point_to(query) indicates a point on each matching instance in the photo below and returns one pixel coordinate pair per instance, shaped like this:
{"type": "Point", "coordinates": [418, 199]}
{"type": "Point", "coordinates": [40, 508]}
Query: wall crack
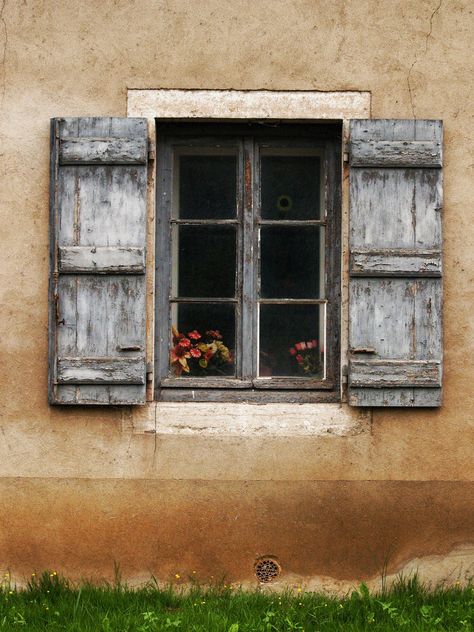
{"type": "Point", "coordinates": [417, 58]}
{"type": "Point", "coordinates": [4, 49]}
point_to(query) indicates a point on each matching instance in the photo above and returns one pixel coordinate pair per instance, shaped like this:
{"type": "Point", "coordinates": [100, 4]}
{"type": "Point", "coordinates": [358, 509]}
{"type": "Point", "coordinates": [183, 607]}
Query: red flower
{"type": "Point", "coordinates": [194, 334]}
{"type": "Point", "coordinates": [195, 353]}
{"type": "Point", "coordinates": [214, 333]}
{"type": "Point", "coordinates": [299, 358]}
{"type": "Point", "coordinates": [185, 343]}
{"type": "Point", "coordinates": [209, 354]}
{"type": "Point", "coordinates": [315, 343]}
{"type": "Point", "coordinates": [292, 351]}
{"type": "Point", "coordinates": [300, 345]}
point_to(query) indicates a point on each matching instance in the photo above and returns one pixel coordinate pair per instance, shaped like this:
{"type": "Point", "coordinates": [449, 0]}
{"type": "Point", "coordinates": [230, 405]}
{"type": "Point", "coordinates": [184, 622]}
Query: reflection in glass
{"type": "Point", "coordinates": [207, 186]}
{"type": "Point", "coordinates": [290, 262]}
{"type": "Point", "coordinates": [290, 187]}
{"type": "Point", "coordinates": [202, 340]}
{"type": "Point", "coordinates": [292, 341]}
{"type": "Point", "coordinates": [204, 261]}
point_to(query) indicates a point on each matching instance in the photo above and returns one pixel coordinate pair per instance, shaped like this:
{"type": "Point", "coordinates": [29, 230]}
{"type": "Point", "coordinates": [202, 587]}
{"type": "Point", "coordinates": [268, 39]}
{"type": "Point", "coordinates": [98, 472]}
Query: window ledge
{"type": "Point", "coordinates": [248, 104]}
{"type": "Point", "coordinates": [246, 419]}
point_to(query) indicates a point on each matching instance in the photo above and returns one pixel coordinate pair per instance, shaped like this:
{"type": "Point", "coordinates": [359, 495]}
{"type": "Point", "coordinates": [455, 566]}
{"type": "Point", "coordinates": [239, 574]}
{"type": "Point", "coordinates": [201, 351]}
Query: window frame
{"type": "Point", "coordinates": [250, 135]}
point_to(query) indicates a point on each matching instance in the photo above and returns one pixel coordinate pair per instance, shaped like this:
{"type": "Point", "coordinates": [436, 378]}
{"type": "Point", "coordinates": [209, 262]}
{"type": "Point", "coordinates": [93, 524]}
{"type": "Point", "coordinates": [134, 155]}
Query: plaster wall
{"type": "Point", "coordinates": [81, 489]}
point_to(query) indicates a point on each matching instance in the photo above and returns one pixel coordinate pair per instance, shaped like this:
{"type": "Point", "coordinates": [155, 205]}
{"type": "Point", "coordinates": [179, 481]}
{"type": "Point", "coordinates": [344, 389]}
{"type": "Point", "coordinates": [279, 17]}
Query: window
{"type": "Point", "coordinates": [248, 262]}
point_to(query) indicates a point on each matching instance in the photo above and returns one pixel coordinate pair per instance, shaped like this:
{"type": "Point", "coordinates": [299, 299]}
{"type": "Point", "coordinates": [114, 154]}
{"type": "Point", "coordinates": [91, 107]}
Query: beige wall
{"type": "Point", "coordinates": [81, 488]}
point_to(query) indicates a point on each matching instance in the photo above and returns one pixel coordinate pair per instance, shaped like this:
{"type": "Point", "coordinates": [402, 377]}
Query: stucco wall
{"type": "Point", "coordinates": [82, 489]}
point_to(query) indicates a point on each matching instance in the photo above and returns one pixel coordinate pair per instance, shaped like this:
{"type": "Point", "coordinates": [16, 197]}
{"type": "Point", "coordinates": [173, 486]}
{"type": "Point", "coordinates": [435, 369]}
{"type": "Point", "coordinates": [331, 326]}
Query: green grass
{"type": "Point", "coordinates": [51, 603]}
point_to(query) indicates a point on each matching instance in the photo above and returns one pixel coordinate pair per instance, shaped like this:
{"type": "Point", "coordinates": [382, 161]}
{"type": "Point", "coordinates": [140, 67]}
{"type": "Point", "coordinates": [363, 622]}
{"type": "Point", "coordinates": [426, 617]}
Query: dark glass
{"type": "Point", "coordinates": [281, 328]}
{"type": "Point", "coordinates": [215, 323]}
{"type": "Point", "coordinates": [207, 187]}
{"type": "Point", "coordinates": [290, 262]}
{"type": "Point", "coordinates": [290, 187]}
{"type": "Point", "coordinates": [206, 260]}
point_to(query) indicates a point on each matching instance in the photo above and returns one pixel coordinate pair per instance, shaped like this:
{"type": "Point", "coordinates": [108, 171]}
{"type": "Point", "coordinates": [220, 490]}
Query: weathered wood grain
{"type": "Point", "coordinates": [394, 373]}
{"type": "Point", "coordinates": [101, 260]}
{"type": "Point", "coordinates": [373, 153]}
{"type": "Point", "coordinates": [111, 151]}
{"type": "Point", "coordinates": [396, 397]}
{"type": "Point", "coordinates": [395, 286]}
{"type": "Point", "coordinates": [100, 370]}
{"type": "Point", "coordinates": [395, 262]}
{"type": "Point", "coordinates": [98, 288]}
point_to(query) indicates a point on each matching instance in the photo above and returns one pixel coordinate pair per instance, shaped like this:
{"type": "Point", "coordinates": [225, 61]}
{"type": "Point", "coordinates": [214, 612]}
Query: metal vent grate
{"type": "Point", "coordinates": [267, 570]}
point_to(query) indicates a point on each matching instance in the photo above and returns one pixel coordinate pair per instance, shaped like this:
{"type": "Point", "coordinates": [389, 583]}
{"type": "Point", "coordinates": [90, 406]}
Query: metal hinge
{"type": "Point", "coordinates": [345, 156]}
{"type": "Point", "coordinates": [149, 371]}
{"type": "Point", "coordinates": [151, 152]}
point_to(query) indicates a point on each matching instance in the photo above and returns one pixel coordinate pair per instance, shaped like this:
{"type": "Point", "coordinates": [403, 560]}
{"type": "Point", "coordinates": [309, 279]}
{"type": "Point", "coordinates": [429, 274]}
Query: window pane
{"type": "Point", "coordinates": [203, 340]}
{"type": "Point", "coordinates": [290, 186]}
{"type": "Point", "coordinates": [206, 186]}
{"type": "Point", "coordinates": [292, 341]}
{"type": "Point", "coordinates": [204, 261]}
{"type": "Point", "coordinates": [292, 262]}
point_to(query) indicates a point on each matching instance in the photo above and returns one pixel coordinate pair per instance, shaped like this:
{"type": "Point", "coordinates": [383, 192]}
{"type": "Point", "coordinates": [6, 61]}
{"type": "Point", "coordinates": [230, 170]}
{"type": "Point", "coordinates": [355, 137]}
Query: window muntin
{"type": "Point", "coordinates": [256, 263]}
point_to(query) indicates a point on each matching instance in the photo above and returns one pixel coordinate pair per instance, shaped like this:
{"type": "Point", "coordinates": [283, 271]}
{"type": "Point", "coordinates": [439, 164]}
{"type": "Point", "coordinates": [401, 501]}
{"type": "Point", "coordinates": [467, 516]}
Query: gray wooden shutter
{"type": "Point", "coordinates": [395, 287]}
{"type": "Point", "coordinates": [97, 287]}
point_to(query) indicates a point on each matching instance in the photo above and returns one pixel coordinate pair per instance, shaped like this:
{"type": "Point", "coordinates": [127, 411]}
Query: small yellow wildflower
{"type": "Point", "coordinates": [178, 576]}
{"type": "Point", "coordinates": [194, 572]}
{"type": "Point", "coordinates": [11, 592]}
{"type": "Point", "coordinates": [33, 574]}
{"type": "Point", "coordinates": [299, 589]}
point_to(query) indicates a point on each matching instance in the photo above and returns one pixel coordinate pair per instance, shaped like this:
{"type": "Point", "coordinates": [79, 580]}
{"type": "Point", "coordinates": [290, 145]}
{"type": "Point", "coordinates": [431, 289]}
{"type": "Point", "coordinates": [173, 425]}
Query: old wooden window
{"type": "Point", "coordinates": [248, 279]}
{"type": "Point", "coordinates": [247, 262]}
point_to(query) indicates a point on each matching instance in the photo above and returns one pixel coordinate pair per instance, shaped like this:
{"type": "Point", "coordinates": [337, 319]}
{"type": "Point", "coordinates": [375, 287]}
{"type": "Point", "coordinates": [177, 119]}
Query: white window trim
{"type": "Point", "coordinates": [239, 418]}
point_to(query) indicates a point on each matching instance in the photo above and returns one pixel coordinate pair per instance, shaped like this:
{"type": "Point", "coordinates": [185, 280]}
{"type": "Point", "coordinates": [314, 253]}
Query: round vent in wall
{"type": "Point", "coordinates": [267, 569]}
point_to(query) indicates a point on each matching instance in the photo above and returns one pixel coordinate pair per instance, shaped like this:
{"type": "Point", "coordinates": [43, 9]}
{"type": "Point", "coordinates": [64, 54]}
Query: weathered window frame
{"type": "Point", "coordinates": [251, 135]}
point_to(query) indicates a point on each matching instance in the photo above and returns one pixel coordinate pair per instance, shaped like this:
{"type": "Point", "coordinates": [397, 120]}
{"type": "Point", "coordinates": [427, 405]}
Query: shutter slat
{"type": "Point", "coordinates": [395, 373]}
{"type": "Point", "coordinates": [395, 286]}
{"type": "Point", "coordinates": [110, 151]}
{"type": "Point", "coordinates": [98, 233]}
{"type": "Point", "coordinates": [101, 260]}
{"type": "Point", "coordinates": [392, 262]}
{"type": "Point", "coordinates": [425, 154]}
{"type": "Point", "coordinates": [101, 370]}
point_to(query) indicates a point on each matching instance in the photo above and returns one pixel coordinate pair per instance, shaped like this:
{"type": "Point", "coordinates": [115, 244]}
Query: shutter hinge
{"type": "Point", "coordinates": [345, 156]}
{"type": "Point", "coordinates": [56, 310]}
{"type": "Point", "coordinates": [151, 152]}
{"type": "Point", "coordinates": [149, 371]}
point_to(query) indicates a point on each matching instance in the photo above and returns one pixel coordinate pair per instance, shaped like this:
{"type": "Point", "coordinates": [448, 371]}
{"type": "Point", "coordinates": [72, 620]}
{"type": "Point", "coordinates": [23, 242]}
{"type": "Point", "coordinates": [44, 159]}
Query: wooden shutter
{"type": "Point", "coordinates": [395, 287]}
{"type": "Point", "coordinates": [97, 288]}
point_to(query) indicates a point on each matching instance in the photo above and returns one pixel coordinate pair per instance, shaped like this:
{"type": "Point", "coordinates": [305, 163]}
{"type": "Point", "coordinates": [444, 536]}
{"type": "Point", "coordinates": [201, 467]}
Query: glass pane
{"type": "Point", "coordinates": [291, 186]}
{"type": "Point", "coordinates": [202, 340]}
{"type": "Point", "coordinates": [292, 262]}
{"type": "Point", "coordinates": [204, 261]}
{"type": "Point", "coordinates": [292, 341]}
{"type": "Point", "coordinates": [206, 184]}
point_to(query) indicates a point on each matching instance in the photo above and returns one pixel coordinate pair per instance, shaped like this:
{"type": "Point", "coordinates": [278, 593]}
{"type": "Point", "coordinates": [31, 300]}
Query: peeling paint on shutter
{"type": "Point", "coordinates": [395, 287]}
{"type": "Point", "coordinates": [97, 287]}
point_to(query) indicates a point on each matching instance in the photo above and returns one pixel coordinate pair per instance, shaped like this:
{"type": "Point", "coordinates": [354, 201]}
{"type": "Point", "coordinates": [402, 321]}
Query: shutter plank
{"type": "Point", "coordinates": [395, 373]}
{"type": "Point", "coordinates": [392, 262]}
{"type": "Point", "coordinates": [100, 370]}
{"type": "Point", "coordinates": [372, 153]}
{"type": "Point", "coordinates": [118, 151]}
{"type": "Point", "coordinates": [98, 291]}
{"type": "Point", "coordinates": [101, 259]}
{"type": "Point", "coordinates": [395, 286]}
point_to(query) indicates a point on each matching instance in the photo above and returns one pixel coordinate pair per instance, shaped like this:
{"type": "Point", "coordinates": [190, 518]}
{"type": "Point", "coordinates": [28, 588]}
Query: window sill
{"type": "Point", "coordinates": [246, 419]}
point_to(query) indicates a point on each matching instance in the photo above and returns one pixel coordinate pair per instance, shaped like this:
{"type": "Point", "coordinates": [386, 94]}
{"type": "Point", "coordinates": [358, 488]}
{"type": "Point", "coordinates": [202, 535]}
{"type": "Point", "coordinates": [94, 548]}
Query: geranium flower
{"type": "Point", "coordinates": [299, 358]}
{"type": "Point", "coordinates": [185, 343]}
{"type": "Point", "coordinates": [194, 335]}
{"type": "Point", "coordinates": [214, 333]}
{"type": "Point", "coordinates": [292, 350]}
{"type": "Point", "coordinates": [195, 352]}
